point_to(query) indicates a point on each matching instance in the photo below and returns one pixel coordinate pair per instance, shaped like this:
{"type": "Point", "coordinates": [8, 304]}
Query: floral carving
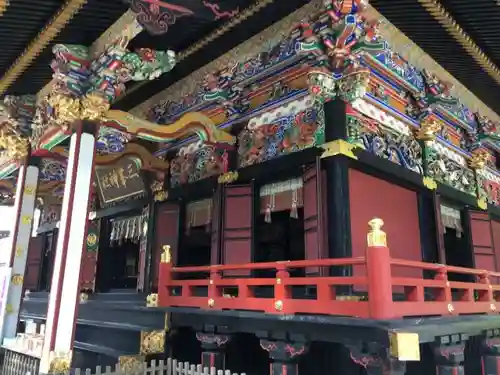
{"type": "Point", "coordinates": [286, 135]}
{"type": "Point", "coordinates": [196, 162]}
{"type": "Point", "coordinates": [402, 149]}
{"type": "Point", "coordinates": [447, 171]}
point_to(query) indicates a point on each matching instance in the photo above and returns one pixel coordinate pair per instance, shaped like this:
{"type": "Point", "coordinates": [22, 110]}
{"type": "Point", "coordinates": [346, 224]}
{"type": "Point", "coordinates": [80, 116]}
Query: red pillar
{"type": "Point", "coordinates": [378, 269]}
{"type": "Point", "coordinates": [65, 287]}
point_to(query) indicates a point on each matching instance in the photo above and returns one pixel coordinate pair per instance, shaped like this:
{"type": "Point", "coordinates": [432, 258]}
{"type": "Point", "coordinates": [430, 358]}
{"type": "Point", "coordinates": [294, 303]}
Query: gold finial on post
{"type": "Point", "coordinates": [376, 236]}
{"type": "Point", "coordinates": [166, 256]}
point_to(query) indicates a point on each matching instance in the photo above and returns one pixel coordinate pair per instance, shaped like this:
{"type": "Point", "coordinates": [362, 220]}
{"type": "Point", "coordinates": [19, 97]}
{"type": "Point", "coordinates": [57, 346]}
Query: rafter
{"type": "Point", "coordinates": [41, 41]}
{"type": "Point", "coordinates": [437, 10]}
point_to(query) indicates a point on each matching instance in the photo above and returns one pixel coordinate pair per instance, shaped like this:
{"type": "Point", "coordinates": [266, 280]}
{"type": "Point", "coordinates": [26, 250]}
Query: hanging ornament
{"type": "Point", "coordinates": [293, 211]}
{"type": "Point", "coordinates": [270, 208]}
{"type": "Point", "coordinates": [112, 237]}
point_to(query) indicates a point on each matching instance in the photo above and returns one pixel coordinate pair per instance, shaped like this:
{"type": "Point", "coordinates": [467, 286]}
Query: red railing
{"type": "Point", "coordinates": [375, 291]}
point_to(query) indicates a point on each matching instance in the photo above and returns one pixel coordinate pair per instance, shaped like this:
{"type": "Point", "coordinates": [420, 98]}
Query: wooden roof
{"type": "Point", "coordinates": [461, 35]}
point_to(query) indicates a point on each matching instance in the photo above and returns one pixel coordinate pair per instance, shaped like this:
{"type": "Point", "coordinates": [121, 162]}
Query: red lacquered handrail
{"type": "Point", "coordinates": [378, 288]}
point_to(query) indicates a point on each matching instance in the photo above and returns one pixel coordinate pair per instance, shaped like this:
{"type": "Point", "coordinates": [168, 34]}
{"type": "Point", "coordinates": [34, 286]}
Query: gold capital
{"type": "Point", "coordinates": [376, 236]}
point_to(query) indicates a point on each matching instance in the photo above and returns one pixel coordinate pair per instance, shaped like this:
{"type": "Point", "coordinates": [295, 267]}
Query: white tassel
{"type": "Point", "coordinates": [294, 214]}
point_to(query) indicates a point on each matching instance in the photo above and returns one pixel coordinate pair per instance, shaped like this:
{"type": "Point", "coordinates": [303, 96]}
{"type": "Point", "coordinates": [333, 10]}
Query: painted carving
{"type": "Point", "coordinates": [191, 123]}
{"type": "Point", "coordinates": [111, 141]}
{"type": "Point", "coordinates": [389, 143]}
{"type": "Point", "coordinates": [449, 171]}
{"type": "Point", "coordinates": [196, 162]}
{"type": "Point", "coordinates": [52, 170]}
{"type": "Point", "coordinates": [157, 16]}
{"type": "Point", "coordinates": [275, 135]}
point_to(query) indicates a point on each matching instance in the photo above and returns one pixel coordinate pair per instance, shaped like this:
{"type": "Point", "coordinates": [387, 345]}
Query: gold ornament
{"type": "Point", "coordinates": [429, 183]}
{"type": "Point", "coordinates": [67, 109]}
{"type": "Point", "coordinates": [228, 177]}
{"type": "Point", "coordinates": [166, 256]}
{"type": "Point", "coordinates": [376, 236]}
{"type": "Point", "coordinates": [17, 279]}
{"type": "Point", "coordinates": [60, 362]}
{"type": "Point", "coordinates": [94, 106]}
{"type": "Point", "coordinates": [152, 342]}
{"type": "Point", "coordinates": [428, 130]}
{"type": "Point", "coordinates": [131, 364]}
{"type": "Point", "coordinates": [478, 159]}
{"type": "Point", "coordinates": [152, 300]}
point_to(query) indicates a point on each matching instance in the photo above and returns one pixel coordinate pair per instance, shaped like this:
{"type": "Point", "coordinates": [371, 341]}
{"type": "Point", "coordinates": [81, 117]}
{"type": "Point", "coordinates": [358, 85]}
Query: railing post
{"type": "Point", "coordinates": [213, 291]}
{"type": "Point", "coordinates": [164, 276]}
{"type": "Point", "coordinates": [378, 268]}
{"type": "Point", "coordinates": [280, 289]}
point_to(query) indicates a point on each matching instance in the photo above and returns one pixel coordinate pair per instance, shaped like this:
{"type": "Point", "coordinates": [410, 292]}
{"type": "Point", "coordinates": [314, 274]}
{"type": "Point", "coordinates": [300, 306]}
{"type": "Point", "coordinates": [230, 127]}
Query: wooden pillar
{"type": "Point", "coordinates": [65, 287]}
{"type": "Point", "coordinates": [213, 349]}
{"type": "Point", "coordinates": [283, 356]}
{"type": "Point", "coordinates": [25, 201]}
{"type": "Point", "coordinates": [337, 187]}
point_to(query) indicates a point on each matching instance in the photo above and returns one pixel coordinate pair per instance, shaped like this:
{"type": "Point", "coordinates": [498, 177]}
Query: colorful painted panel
{"type": "Point", "coordinates": [196, 162]}
{"type": "Point", "coordinates": [111, 140]}
{"type": "Point", "coordinates": [383, 135]}
{"type": "Point", "coordinates": [52, 170]}
{"type": "Point", "coordinates": [450, 168]}
{"type": "Point", "coordinates": [282, 131]}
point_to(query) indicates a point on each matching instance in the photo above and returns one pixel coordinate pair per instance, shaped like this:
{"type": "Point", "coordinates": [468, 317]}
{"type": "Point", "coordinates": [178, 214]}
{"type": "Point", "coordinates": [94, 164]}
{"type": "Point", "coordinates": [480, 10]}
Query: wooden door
{"type": "Point", "coordinates": [313, 216]}
{"type": "Point", "coordinates": [237, 227]}
{"type": "Point", "coordinates": [216, 226]}
{"type": "Point", "coordinates": [166, 233]}
{"type": "Point", "coordinates": [34, 263]}
{"type": "Point", "coordinates": [89, 259]}
{"type": "Point", "coordinates": [483, 250]}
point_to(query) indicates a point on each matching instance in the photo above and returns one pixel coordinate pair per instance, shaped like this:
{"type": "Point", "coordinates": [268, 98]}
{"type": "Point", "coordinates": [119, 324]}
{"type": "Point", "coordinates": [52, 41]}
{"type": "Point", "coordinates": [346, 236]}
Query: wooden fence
{"type": "Point", "coordinates": [168, 367]}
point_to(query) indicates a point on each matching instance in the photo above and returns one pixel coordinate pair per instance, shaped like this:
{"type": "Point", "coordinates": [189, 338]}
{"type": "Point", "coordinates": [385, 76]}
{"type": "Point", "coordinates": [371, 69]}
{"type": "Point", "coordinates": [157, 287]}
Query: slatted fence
{"type": "Point", "coordinates": [168, 367]}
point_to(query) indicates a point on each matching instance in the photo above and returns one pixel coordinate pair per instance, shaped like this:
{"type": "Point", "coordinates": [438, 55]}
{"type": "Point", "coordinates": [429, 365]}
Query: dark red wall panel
{"type": "Point", "coordinates": [372, 197]}
{"type": "Point", "coordinates": [482, 241]}
{"type": "Point", "coordinates": [237, 227]}
{"type": "Point", "coordinates": [166, 233]}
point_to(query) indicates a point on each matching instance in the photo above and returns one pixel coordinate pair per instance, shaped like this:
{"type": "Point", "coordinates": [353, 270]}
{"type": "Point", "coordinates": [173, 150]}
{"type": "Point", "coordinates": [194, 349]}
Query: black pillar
{"type": "Point", "coordinates": [491, 356]}
{"type": "Point", "coordinates": [337, 187]}
{"type": "Point", "coordinates": [375, 359]}
{"type": "Point", "coordinates": [450, 359]}
{"type": "Point", "coordinates": [150, 238]}
{"type": "Point", "coordinates": [213, 349]}
{"type": "Point", "coordinates": [283, 356]}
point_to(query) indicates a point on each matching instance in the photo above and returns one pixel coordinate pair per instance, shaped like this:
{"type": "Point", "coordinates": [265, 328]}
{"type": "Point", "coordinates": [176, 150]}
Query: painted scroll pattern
{"type": "Point", "coordinates": [196, 162]}
{"type": "Point", "coordinates": [282, 136]}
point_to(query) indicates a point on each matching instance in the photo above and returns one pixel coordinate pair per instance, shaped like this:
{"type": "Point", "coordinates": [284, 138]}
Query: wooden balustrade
{"type": "Point", "coordinates": [376, 293]}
